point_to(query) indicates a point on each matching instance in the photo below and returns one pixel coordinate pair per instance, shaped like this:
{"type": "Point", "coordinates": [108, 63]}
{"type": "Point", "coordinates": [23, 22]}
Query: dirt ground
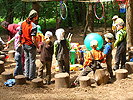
{"type": "Point", "coordinates": [114, 90]}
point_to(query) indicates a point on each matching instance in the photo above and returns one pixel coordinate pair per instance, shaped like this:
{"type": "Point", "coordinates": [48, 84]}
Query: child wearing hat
{"type": "Point", "coordinates": [46, 51]}
{"type": "Point", "coordinates": [62, 47]}
{"type": "Point", "coordinates": [88, 65]}
{"type": "Point", "coordinates": [108, 52]}
{"type": "Point", "coordinates": [121, 41]}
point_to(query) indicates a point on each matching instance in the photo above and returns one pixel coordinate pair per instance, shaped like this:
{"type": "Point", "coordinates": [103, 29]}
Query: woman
{"type": "Point", "coordinates": [12, 28]}
{"type": "Point", "coordinates": [29, 30]}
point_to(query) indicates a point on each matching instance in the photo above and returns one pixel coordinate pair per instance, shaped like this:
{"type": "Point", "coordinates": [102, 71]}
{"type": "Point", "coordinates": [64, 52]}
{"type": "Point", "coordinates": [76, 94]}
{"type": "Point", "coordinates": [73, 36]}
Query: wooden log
{"type": "Point", "coordinates": [2, 68]}
{"type": "Point", "coordinates": [129, 67]}
{"type": "Point", "coordinates": [37, 82]}
{"type": "Point", "coordinates": [121, 74]}
{"type": "Point", "coordinates": [6, 75]}
{"type": "Point", "coordinates": [20, 79]}
{"type": "Point", "coordinates": [101, 76]}
{"type": "Point", "coordinates": [2, 57]}
{"type": "Point", "coordinates": [62, 80]}
{"type": "Point", "coordinates": [84, 81]}
{"type": "Point", "coordinates": [11, 54]}
{"type": "Point", "coordinates": [130, 55]}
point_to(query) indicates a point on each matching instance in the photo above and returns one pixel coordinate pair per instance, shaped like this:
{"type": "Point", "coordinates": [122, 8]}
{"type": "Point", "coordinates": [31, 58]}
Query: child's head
{"type": "Point", "coordinates": [109, 37]}
{"type": "Point", "coordinates": [94, 44]}
{"type": "Point", "coordinates": [120, 25]}
{"type": "Point", "coordinates": [5, 24]}
{"type": "Point", "coordinates": [48, 36]}
{"type": "Point", "coordinates": [60, 33]}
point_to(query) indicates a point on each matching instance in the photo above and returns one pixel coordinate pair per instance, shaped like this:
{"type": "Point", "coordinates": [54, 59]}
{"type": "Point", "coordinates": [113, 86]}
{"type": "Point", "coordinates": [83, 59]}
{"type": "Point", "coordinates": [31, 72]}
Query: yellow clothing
{"type": "Point", "coordinates": [40, 37]}
{"type": "Point", "coordinates": [97, 54]}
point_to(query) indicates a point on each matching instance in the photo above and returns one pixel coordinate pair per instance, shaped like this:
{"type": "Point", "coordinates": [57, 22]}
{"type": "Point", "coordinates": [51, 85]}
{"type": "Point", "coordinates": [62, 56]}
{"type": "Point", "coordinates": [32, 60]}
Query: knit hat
{"type": "Point", "coordinates": [60, 34]}
{"type": "Point", "coordinates": [120, 23]}
{"type": "Point", "coordinates": [109, 36]}
{"type": "Point", "coordinates": [48, 34]}
{"type": "Point", "coordinates": [115, 17]}
{"type": "Point", "coordinates": [32, 14]}
{"type": "Point", "coordinates": [94, 43]}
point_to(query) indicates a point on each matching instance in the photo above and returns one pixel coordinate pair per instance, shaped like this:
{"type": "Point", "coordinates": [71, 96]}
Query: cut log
{"type": "Point", "coordinates": [129, 67]}
{"type": "Point", "coordinates": [2, 68]}
{"type": "Point", "coordinates": [84, 81]}
{"type": "Point", "coordinates": [2, 57]}
{"type": "Point", "coordinates": [20, 79]}
{"type": "Point", "coordinates": [37, 82]}
{"type": "Point", "coordinates": [7, 75]}
{"type": "Point", "coordinates": [121, 74]}
{"type": "Point", "coordinates": [11, 54]}
{"type": "Point", "coordinates": [62, 80]}
{"type": "Point", "coordinates": [101, 76]}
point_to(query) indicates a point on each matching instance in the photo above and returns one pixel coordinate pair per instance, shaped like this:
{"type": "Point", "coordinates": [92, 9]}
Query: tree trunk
{"type": "Point", "coordinates": [75, 12]}
{"type": "Point", "coordinates": [105, 27]}
{"type": "Point", "coordinates": [129, 24]}
{"type": "Point", "coordinates": [9, 17]}
{"type": "Point", "coordinates": [91, 18]}
{"type": "Point", "coordinates": [69, 17]}
{"type": "Point", "coordinates": [35, 6]}
{"type": "Point", "coordinates": [87, 22]}
{"type": "Point", "coordinates": [84, 13]}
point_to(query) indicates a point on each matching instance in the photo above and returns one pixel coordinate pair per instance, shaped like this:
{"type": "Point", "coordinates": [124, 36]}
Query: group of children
{"type": "Point", "coordinates": [62, 46]}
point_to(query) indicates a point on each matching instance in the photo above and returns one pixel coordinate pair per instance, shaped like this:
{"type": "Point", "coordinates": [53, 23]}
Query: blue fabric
{"type": "Point", "coordinates": [30, 58]}
{"type": "Point", "coordinates": [131, 60]}
{"type": "Point", "coordinates": [107, 48]}
{"type": "Point", "coordinates": [10, 82]}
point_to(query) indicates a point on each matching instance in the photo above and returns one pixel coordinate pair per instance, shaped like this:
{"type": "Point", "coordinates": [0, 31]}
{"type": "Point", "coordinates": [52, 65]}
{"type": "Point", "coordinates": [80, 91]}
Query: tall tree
{"type": "Point", "coordinates": [129, 24]}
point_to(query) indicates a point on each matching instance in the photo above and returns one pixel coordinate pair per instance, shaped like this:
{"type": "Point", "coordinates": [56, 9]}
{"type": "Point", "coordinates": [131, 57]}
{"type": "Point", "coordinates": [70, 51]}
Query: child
{"type": "Point", "coordinates": [121, 41]}
{"type": "Point", "coordinates": [46, 49]}
{"type": "Point", "coordinates": [18, 55]}
{"type": "Point", "coordinates": [108, 52]}
{"type": "Point", "coordinates": [61, 50]}
{"type": "Point", "coordinates": [11, 27]}
{"type": "Point", "coordinates": [88, 67]}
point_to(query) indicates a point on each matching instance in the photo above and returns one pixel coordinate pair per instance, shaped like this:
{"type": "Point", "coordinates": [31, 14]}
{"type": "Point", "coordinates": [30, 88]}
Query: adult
{"type": "Point", "coordinates": [28, 29]}
{"type": "Point", "coordinates": [12, 28]}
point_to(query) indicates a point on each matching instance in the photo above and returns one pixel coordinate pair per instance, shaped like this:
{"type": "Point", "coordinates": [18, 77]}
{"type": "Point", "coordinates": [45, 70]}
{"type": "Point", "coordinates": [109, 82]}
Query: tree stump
{"type": "Point", "coordinates": [6, 75]}
{"type": "Point", "coordinates": [62, 80]}
{"type": "Point", "coordinates": [130, 55]}
{"type": "Point", "coordinates": [84, 81]}
{"type": "Point", "coordinates": [101, 76]}
{"type": "Point", "coordinates": [37, 82]}
{"type": "Point", "coordinates": [129, 67]}
{"type": "Point", "coordinates": [121, 74]}
{"type": "Point", "coordinates": [2, 57]}
{"type": "Point", "coordinates": [11, 54]}
{"type": "Point", "coordinates": [2, 68]}
{"type": "Point", "coordinates": [20, 79]}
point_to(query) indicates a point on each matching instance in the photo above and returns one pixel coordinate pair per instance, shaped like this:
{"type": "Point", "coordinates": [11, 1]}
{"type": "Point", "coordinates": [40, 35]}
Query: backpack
{"type": "Point", "coordinates": [95, 64]}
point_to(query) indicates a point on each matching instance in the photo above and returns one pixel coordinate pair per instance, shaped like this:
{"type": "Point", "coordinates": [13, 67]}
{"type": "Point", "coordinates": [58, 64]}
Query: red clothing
{"type": "Point", "coordinates": [27, 33]}
{"type": "Point", "coordinates": [97, 54]}
{"type": "Point", "coordinates": [12, 29]}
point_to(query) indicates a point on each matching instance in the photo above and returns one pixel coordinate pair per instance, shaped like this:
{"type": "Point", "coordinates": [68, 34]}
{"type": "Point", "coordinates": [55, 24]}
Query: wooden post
{"type": "Point", "coordinates": [84, 81]}
{"type": "Point", "coordinates": [129, 67]}
{"type": "Point", "coordinates": [2, 57]}
{"type": "Point", "coordinates": [37, 82]}
{"type": "Point", "coordinates": [62, 80]}
{"type": "Point", "coordinates": [11, 54]}
{"type": "Point", "coordinates": [2, 68]}
{"type": "Point", "coordinates": [121, 74]}
{"type": "Point", "coordinates": [20, 79]}
{"type": "Point", "coordinates": [101, 76]}
{"type": "Point", "coordinates": [6, 75]}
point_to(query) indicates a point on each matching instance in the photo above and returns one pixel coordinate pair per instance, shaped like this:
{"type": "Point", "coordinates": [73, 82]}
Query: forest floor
{"type": "Point", "coordinates": [114, 90]}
